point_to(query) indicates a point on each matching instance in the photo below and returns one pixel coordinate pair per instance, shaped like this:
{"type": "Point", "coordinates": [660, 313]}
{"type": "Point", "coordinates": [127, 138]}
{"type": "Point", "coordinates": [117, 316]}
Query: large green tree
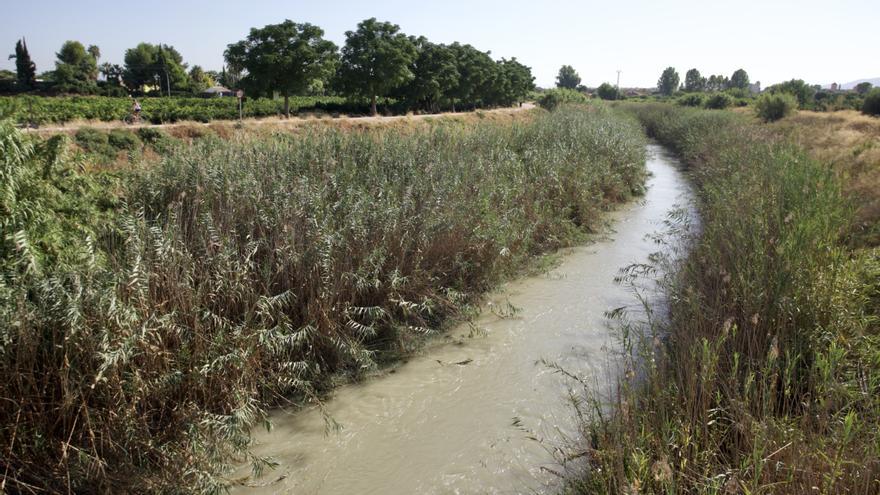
{"type": "Point", "coordinates": [148, 65]}
{"type": "Point", "coordinates": [76, 68]}
{"type": "Point", "coordinates": [286, 58]}
{"type": "Point", "coordinates": [376, 59]}
{"type": "Point", "coordinates": [25, 69]}
{"type": "Point", "coordinates": [199, 80]}
{"type": "Point", "coordinates": [739, 79]}
{"type": "Point", "coordinates": [475, 69]}
{"type": "Point", "coordinates": [435, 74]}
{"type": "Point", "coordinates": [567, 77]}
{"type": "Point", "coordinates": [863, 87]}
{"type": "Point", "coordinates": [693, 81]}
{"type": "Point", "coordinates": [668, 82]}
{"type": "Point", "coordinates": [518, 81]}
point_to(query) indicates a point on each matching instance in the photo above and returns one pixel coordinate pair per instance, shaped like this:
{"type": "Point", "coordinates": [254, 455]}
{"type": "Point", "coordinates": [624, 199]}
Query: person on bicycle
{"type": "Point", "coordinates": [136, 109]}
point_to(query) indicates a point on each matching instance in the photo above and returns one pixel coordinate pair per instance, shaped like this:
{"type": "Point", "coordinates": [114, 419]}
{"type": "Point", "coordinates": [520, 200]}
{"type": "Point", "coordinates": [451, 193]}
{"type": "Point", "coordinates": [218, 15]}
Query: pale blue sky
{"type": "Point", "coordinates": [819, 41]}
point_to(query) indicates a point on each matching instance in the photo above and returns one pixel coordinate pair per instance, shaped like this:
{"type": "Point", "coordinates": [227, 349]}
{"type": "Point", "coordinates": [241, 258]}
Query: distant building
{"type": "Point", "coordinates": [755, 88]}
{"type": "Point", "coordinates": [217, 92]}
{"type": "Point", "coordinates": [835, 86]}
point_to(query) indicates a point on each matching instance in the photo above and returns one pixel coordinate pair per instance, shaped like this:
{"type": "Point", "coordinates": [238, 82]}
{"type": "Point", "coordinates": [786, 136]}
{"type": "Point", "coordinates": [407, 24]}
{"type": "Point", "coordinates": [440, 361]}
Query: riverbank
{"type": "Point", "coordinates": [764, 378]}
{"type": "Point", "coordinates": [158, 310]}
{"type": "Point", "coordinates": [484, 409]}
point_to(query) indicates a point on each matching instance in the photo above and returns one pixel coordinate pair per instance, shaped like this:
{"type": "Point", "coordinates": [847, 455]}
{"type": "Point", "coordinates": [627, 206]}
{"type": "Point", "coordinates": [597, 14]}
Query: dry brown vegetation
{"type": "Point", "coordinates": [849, 142]}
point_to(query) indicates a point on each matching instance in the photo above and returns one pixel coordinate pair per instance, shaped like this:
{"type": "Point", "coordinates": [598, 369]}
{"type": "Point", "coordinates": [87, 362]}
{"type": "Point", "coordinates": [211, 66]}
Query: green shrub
{"type": "Point", "coordinates": [692, 100]}
{"type": "Point", "coordinates": [772, 107]}
{"type": "Point", "coordinates": [123, 139]}
{"type": "Point", "coordinates": [551, 99]}
{"type": "Point", "coordinates": [719, 101]}
{"type": "Point", "coordinates": [871, 106]}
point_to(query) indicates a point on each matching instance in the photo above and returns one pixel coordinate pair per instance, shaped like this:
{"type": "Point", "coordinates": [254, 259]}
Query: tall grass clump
{"type": "Point", "coordinates": [765, 375]}
{"type": "Point", "coordinates": [152, 316]}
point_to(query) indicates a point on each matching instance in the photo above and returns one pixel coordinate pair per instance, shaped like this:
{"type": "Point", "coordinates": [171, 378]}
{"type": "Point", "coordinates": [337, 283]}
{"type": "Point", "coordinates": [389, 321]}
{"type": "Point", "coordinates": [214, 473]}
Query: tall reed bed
{"type": "Point", "coordinates": [151, 316]}
{"type": "Point", "coordinates": [765, 377]}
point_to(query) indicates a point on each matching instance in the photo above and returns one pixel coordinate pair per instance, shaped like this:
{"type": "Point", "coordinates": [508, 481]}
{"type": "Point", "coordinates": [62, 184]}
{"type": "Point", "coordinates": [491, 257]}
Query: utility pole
{"type": "Point", "coordinates": [617, 96]}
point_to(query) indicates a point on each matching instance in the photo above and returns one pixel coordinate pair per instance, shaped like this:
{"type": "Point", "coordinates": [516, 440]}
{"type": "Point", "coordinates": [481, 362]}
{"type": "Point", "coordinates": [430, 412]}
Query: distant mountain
{"type": "Point", "coordinates": [852, 84]}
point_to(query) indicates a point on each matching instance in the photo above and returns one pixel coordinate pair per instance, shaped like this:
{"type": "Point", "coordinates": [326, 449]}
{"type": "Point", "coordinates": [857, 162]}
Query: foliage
{"type": "Point", "coordinates": [376, 59]}
{"type": "Point", "coordinates": [739, 79]}
{"type": "Point", "coordinates": [692, 100]}
{"type": "Point", "coordinates": [199, 80]}
{"type": "Point", "coordinates": [607, 92]}
{"type": "Point", "coordinates": [76, 68]}
{"type": "Point", "coordinates": [25, 70]}
{"type": "Point", "coordinates": [152, 316]}
{"type": "Point", "coordinates": [775, 106]}
{"type": "Point", "coordinates": [286, 58]}
{"type": "Point", "coordinates": [41, 110]}
{"type": "Point", "coordinates": [718, 101]}
{"type": "Point", "coordinates": [863, 88]}
{"type": "Point", "coordinates": [871, 106]}
{"type": "Point", "coordinates": [668, 82]}
{"type": "Point", "coordinates": [435, 75]}
{"type": "Point", "coordinates": [553, 98]}
{"type": "Point", "coordinates": [762, 376]}
{"type": "Point", "coordinates": [804, 93]}
{"type": "Point", "coordinates": [567, 78]}
{"type": "Point", "coordinates": [155, 66]}
{"type": "Point", "coordinates": [693, 81]}
{"type": "Point", "coordinates": [717, 82]}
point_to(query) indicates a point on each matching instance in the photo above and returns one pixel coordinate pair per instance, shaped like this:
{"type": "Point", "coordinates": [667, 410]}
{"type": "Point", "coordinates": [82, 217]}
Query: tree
{"type": "Point", "coordinates": [717, 83]}
{"type": "Point", "coordinates": [693, 81]}
{"type": "Point", "coordinates": [284, 57]}
{"type": "Point", "coordinates": [112, 73]}
{"type": "Point", "coordinates": [155, 65]}
{"type": "Point", "coordinates": [435, 74]}
{"type": "Point", "coordinates": [739, 79]}
{"type": "Point", "coordinates": [25, 70]}
{"type": "Point", "coordinates": [475, 69]}
{"type": "Point", "coordinates": [668, 82]}
{"type": "Point", "coordinates": [76, 68]}
{"type": "Point", "coordinates": [607, 92]}
{"type": "Point", "coordinates": [376, 59]}
{"type": "Point", "coordinates": [863, 87]}
{"type": "Point", "coordinates": [567, 78]}
{"type": "Point", "coordinates": [519, 81]}
{"type": "Point", "coordinates": [199, 80]}
{"type": "Point", "coordinates": [804, 93]}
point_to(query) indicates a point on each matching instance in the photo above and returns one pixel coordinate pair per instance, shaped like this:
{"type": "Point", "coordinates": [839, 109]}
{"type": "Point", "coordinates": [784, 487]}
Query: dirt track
{"type": "Point", "coordinates": [293, 121]}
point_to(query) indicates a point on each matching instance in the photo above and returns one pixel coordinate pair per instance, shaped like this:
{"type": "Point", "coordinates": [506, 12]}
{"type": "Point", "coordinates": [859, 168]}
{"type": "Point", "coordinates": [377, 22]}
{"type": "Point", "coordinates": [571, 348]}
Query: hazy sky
{"type": "Point", "coordinates": [819, 41]}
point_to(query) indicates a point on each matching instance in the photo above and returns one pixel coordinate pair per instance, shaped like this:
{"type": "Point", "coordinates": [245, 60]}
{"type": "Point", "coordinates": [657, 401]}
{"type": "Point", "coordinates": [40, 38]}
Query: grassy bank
{"type": "Point", "coordinates": [152, 313]}
{"type": "Point", "coordinates": [765, 378]}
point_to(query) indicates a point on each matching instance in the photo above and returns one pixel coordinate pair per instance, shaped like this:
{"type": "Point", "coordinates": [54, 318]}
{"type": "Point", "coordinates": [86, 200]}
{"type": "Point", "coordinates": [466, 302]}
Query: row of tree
{"type": "Point", "coordinates": [77, 69]}
{"type": "Point", "coordinates": [694, 82]}
{"type": "Point", "coordinates": [288, 59]}
{"type": "Point", "coordinates": [376, 61]}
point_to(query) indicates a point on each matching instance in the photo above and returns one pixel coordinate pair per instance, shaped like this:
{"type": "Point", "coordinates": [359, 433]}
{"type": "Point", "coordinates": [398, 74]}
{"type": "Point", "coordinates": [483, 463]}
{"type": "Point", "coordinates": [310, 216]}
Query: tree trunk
{"type": "Point", "coordinates": [287, 105]}
{"type": "Point", "coordinates": [373, 106]}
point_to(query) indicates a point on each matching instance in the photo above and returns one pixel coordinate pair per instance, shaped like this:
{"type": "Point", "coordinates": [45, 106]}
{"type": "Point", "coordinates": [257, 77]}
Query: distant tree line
{"type": "Point", "coordinates": [694, 82]}
{"type": "Point", "coordinates": [377, 62]}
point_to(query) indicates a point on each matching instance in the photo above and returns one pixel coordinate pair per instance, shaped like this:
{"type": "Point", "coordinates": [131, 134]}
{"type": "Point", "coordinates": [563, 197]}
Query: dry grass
{"type": "Point", "coordinates": [849, 142]}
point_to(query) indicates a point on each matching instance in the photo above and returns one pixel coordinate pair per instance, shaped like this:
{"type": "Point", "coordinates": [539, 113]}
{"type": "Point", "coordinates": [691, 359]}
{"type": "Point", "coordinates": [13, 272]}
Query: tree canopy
{"type": "Point", "coordinates": [76, 68]}
{"type": "Point", "coordinates": [155, 65]}
{"type": "Point", "coordinates": [376, 59]}
{"type": "Point", "coordinates": [668, 82]}
{"type": "Point", "coordinates": [286, 58]}
{"type": "Point", "coordinates": [607, 92]}
{"type": "Point", "coordinates": [693, 81]}
{"type": "Point", "coordinates": [739, 79]}
{"type": "Point", "coordinates": [25, 69]}
{"type": "Point", "coordinates": [567, 77]}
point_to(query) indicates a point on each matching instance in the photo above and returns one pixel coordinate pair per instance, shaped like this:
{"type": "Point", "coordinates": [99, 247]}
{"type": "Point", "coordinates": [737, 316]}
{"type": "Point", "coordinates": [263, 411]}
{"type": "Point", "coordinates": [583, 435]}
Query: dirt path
{"type": "Point", "coordinates": [276, 121]}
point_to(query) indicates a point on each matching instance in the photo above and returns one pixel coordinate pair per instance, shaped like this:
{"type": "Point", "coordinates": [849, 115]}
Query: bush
{"type": "Point", "coordinates": [94, 141]}
{"type": "Point", "coordinates": [692, 100]}
{"type": "Point", "coordinates": [871, 106]}
{"type": "Point", "coordinates": [555, 97]}
{"type": "Point", "coordinates": [122, 139]}
{"type": "Point", "coordinates": [719, 101]}
{"type": "Point", "coordinates": [772, 107]}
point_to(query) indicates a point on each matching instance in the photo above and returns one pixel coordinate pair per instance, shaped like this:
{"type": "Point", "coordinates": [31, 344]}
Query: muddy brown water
{"type": "Point", "coordinates": [492, 423]}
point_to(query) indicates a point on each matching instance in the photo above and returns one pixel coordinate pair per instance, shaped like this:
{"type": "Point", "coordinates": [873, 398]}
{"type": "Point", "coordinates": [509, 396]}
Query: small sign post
{"type": "Point", "coordinates": [240, 95]}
